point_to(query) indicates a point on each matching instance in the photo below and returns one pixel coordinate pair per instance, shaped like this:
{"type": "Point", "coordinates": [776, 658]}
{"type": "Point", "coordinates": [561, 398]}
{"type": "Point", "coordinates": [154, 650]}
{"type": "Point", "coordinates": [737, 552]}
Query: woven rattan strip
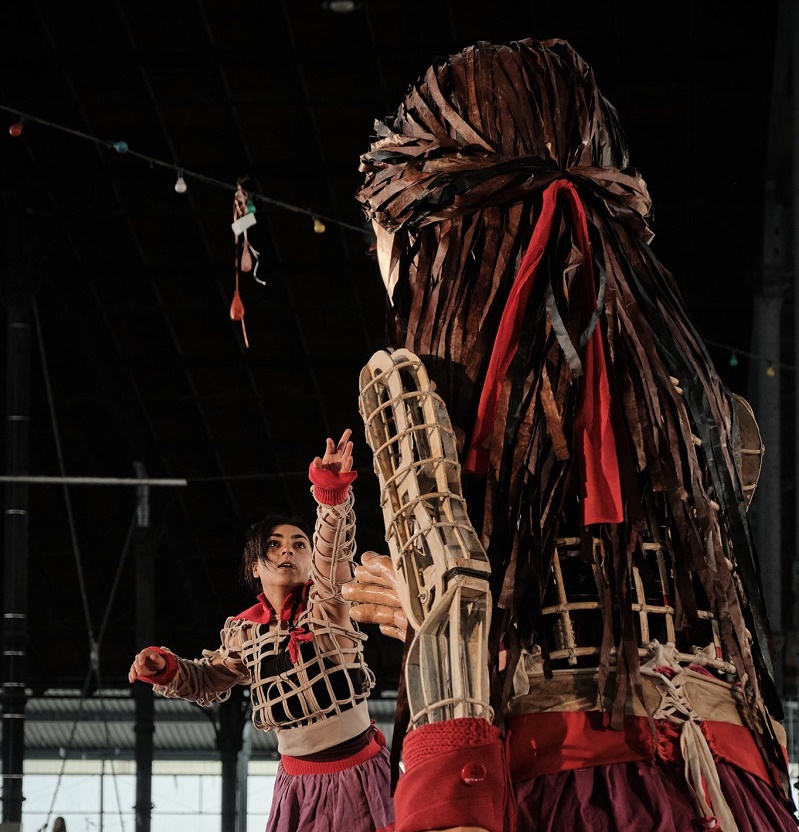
{"type": "Point", "coordinates": [568, 614]}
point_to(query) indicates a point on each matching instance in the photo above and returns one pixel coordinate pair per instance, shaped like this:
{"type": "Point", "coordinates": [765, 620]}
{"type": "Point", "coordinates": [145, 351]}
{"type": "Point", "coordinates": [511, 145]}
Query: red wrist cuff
{"type": "Point", "coordinates": [165, 676]}
{"type": "Point", "coordinates": [330, 488]}
{"type": "Point", "coordinates": [465, 759]}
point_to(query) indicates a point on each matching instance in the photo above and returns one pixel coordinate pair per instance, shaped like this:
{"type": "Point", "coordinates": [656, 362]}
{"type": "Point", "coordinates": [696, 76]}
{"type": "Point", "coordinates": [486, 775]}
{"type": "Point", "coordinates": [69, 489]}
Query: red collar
{"type": "Point", "coordinates": [263, 612]}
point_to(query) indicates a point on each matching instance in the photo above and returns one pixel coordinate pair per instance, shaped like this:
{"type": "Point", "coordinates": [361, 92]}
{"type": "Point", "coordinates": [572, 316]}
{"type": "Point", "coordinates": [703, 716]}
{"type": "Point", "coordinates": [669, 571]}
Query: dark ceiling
{"type": "Point", "coordinates": [132, 281]}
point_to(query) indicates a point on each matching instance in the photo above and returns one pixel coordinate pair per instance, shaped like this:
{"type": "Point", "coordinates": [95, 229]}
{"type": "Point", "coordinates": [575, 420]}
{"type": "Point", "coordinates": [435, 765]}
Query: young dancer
{"type": "Point", "coordinates": [301, 655]}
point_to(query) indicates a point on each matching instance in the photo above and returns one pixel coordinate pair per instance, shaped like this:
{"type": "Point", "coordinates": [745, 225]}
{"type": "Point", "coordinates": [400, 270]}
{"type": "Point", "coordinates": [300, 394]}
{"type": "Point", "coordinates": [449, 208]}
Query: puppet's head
{"type": "Point", "coordinates": [454, 182]}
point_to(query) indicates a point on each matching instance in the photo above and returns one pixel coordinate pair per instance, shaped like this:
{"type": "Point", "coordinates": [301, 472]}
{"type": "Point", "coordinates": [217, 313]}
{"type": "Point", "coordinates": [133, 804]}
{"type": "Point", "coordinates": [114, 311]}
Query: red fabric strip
{"type": "Point", "coordinates": [550, 742]}
{"type": "Point", "coordinates": [547, 743]}
{"type": "Point", "coordinates": [262, 612]}
{"type": "Point", "coordinates": [601, 486]}
{"type": "Point", "coordinates": [296, 636]}
{"type": "Point", "coordinates": [735, 744]}
{"type": "Point", "coordinates": [295, 766]}
{"type": "Point", "coordinates": [507, 339]}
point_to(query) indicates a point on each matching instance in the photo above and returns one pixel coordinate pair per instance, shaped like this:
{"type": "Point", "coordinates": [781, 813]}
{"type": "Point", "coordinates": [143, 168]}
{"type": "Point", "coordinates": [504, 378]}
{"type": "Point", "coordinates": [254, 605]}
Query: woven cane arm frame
{"type": "Point", "coordinates": [441, 567]}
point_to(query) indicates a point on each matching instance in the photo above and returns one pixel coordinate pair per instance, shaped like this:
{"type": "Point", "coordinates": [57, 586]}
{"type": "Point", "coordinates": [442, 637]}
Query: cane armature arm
{"type": "Point", "coordinates": [441, 567]}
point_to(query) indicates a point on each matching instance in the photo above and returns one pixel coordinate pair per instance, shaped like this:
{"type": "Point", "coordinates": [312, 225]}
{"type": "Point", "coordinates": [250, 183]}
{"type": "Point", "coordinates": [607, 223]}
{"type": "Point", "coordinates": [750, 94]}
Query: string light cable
{"type": "Point", "coordinates": [735, 352]}
{"type": "Point", "coordinates": [181, 173]}
{"type": "Point", "coordinates": [319, 221]}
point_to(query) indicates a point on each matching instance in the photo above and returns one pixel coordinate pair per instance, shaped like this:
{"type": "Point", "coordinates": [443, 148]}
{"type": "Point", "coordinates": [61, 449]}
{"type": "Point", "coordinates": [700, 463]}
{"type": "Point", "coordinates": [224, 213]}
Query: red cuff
{"type": "Point", "coordinates": [165, 676]}
{"type": "Point", "coordinates": [330, 488]}
{"type": "Point", "coordinates": [455, 775]}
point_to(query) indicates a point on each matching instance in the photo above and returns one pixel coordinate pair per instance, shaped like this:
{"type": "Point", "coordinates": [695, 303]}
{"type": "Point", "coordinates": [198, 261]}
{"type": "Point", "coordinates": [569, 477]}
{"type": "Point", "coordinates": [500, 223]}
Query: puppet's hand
{"type": "Point", "coordinates": [147, 663]}
{"type": "Point", "coordinates": [374, 596]}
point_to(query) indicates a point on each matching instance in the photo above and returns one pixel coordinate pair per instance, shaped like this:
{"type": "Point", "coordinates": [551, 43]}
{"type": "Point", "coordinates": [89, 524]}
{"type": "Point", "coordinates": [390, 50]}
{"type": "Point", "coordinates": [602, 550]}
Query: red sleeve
{"type": "Point", "coordinates": [456, 774]}
{"type": "Point", "coordinates": [330, 488]}
{"type": "Point", "coordinates": [169, 671]}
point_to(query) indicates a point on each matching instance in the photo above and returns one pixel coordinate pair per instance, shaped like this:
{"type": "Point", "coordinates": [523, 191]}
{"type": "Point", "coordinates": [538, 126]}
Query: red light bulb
{"type": "Point", "coordinates": [15, 130]}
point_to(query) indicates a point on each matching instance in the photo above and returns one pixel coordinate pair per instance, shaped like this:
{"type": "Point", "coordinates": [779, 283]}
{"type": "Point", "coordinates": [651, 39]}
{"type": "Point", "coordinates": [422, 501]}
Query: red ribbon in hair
{"type": "Point", "coordinates": [596, 443]}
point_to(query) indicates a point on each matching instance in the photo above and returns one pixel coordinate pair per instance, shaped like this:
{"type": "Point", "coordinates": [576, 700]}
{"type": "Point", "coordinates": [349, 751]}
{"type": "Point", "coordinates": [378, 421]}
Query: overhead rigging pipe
{"type": "Point", "coordinates": [138, 483]}
{"type": "Point", "coordinates": [15, 530]}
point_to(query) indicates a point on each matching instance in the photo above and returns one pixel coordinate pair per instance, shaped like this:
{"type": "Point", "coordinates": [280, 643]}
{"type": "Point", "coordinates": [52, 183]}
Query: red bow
{"type": "Point", "coordinates": [297, 635]}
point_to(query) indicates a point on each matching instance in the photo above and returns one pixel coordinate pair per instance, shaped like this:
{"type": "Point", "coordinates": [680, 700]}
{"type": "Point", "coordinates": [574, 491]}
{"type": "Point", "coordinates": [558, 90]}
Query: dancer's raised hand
{"type": "Point", "coordinates": [338, 457]}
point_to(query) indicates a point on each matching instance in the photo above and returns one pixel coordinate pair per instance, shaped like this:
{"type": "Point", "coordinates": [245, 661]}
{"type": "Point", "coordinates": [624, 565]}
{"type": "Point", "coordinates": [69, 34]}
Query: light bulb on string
{"type": "Point", "coordinates": [733, 359]}
{"type": "Point", "coordinates": [318, 226]}
{"type": "Point", "coordinates": [180, 184]}
{"type": "Point", "coordinates": [341, 6]}
{"type": "Point", "coordinates": [16, 128]}
{"type": "Point", "coordinates": [770, 371]}
{"type": "Point", "coordinates": [120, 147]}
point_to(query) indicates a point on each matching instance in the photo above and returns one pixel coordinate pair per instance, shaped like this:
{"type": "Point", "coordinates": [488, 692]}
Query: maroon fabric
{"type": "Point", "coordinates": [354, 800]}
{"type": "Point", "coordinates": [754, 804]}
{"type": "Point", "coordinates": [640, 797]}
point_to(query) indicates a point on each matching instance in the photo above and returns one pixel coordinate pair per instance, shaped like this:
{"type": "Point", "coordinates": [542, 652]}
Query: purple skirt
{"type": "Point", "coordinates": [640, 797]}
{"type": "Point", "coordinates": [357, 799]}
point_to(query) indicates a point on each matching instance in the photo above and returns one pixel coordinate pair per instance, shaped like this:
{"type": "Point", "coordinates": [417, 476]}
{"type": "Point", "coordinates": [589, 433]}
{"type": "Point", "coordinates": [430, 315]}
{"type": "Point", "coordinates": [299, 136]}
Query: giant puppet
{"type": "Point", "coordinates": [573, 411]}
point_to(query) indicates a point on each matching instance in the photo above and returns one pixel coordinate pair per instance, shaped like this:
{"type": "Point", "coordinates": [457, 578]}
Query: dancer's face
{"type": "Point", "coordinates": [286, 562]}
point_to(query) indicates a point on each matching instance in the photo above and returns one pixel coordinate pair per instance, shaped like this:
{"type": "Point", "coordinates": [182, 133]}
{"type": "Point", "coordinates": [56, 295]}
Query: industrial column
{"type": "Point", "coordinates": [15, 537]}
{"type": "Point", "coordinates": [232, 716]}
{"type": "Point", "coordinates": [145, 635]}
{"type": "Point", "coordinates": [765, 385]}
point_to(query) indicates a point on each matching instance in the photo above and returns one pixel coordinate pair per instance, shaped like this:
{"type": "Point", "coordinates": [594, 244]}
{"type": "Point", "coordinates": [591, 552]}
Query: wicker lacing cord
{"type": "Point", "coordinates": [701, 773]}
